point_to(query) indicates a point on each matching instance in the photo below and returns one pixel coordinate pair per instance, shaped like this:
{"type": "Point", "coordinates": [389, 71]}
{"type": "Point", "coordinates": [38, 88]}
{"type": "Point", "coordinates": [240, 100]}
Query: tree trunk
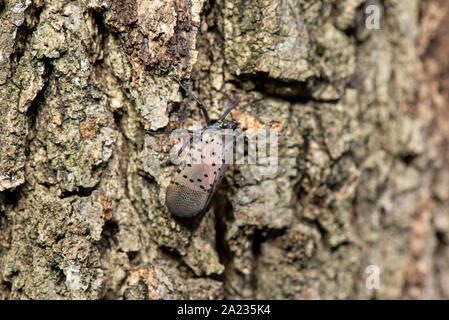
{"type": "Point", "coordinates": [362, 188]}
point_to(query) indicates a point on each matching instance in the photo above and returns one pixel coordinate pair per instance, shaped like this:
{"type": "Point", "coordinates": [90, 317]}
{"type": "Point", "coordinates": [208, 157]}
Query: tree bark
{"type": "Point", "coordinates": [363, 179]}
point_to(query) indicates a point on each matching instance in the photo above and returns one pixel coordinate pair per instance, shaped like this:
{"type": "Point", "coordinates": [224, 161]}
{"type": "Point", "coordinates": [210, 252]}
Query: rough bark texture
{"type": "Point", "coordinates": [363, 173]}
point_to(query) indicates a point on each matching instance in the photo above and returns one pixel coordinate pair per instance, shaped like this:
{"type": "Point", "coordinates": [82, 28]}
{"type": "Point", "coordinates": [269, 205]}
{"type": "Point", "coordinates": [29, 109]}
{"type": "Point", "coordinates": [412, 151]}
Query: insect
{"type": "Point", "coordinates": [196, 179]}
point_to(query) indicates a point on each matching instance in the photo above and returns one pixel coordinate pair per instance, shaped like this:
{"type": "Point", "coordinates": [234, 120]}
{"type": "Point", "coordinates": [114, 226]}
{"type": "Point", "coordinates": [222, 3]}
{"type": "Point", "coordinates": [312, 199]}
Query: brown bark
{"type": "Point", "coordinates": [363, 173]}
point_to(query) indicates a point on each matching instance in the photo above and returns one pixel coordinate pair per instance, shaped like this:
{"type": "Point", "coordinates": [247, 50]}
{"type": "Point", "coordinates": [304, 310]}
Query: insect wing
{"type": "Point", "coordinates": [195, 180]}
{"type": "Point", "coordinates": [186, 195]}
{"type": "Point", "coordinates": [216, 155]}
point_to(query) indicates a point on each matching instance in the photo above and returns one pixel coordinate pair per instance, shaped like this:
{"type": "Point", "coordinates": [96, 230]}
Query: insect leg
{"type": "Point", "coordinates": [233, 103]}
{"type": "Point", "coordinates": [156, 133]}
{"type": "Point", "coordinates": [203, 108]}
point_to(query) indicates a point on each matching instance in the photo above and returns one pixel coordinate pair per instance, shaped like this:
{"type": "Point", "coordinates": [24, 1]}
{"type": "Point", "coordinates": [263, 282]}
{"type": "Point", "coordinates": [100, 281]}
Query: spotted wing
{"type": "Point", "coordinates": [195, 180]}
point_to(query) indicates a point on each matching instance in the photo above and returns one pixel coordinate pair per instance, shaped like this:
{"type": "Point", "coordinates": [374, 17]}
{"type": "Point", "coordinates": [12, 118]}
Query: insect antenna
{"type": "Point", "coordinates": [203, 108]}
{"type": "Point", "coordinates": [156, 133]}
{"type": "Point", "coordinates": [226, 95]}
{"type": "Point", "coordinates": [233, 106]}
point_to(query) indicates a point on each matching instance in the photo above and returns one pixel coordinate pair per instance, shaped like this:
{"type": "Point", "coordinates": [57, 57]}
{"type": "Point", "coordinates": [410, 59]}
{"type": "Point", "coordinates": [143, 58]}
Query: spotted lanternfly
{"type": "Point", "coordinates": [194, 182]}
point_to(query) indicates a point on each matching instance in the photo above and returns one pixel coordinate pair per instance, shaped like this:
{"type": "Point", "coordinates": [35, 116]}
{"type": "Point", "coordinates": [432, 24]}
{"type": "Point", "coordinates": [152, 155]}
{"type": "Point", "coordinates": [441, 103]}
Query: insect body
{"type": "Point", "coordinates": [197, 178]}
